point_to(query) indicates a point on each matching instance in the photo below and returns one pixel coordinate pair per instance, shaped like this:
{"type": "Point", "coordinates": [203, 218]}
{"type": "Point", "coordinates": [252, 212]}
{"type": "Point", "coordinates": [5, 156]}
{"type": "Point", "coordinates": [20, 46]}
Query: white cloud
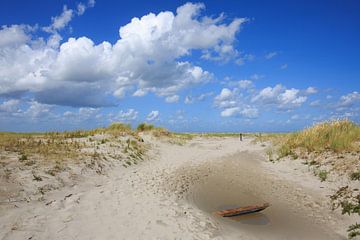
{"type": "Point", "coordinates": [242, 59]}
{"type": "Point", "coordinates": [191, 99]}
{"type": "Point", "coordinates": [81, 7]}
{"type": "Point", "coordinates": [172, 99]}
{"type": "Point", "coordinates": [280, 96]}
{"type": "Point", "coordinates": [270, 55]}
{"type": "Point", "coordinates": [14, 35]}
{"type": "Point", "coordinates": [86, 74]}
{"type": "Point", "coordinates": [228, 112]}
{"type": "Point", "coordinates": [311, 90]}
{"type": "Point", "coordinates": [139, 93]}
{"type": "Point", "coordinates": [245, 84]}
{"type": "Point", "coordinates": [126, 116]}
{"type": "Point", "coordinates": [225, 94]}
{"type": "Point", "coordinates": [38, 110]}
{"type": "Point", "coordinates": [10, 106]}
{"type": "Point", "coordinates": [202, 96]}
{"type": "Point", "coordinates": [153, 115]}
{"type": "Point", "coordinates": [61, 21]}
{"type": "Point", "coordinates": [87, 111]}
{"type": "Point", "coordinates": [269, 95]}
{"type": "Point", "coordinates": [227, 99]}
{"type": "Point", "coordinates": [91, 3]}
{"type": "Point", "coordinates": [68, 114]}
{"type": "Point", "coordinates": [247, 112]}
{"type": "Point", "coordinates": [315, 103]}
{"type": "Point", "coordinates": [349, 99]}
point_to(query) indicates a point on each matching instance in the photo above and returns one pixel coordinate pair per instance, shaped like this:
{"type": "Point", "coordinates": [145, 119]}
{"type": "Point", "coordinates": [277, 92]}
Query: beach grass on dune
{"type": "Point", "coordinates": [56, 144]}
{"type": "Point", "coordinates": [336, 136]}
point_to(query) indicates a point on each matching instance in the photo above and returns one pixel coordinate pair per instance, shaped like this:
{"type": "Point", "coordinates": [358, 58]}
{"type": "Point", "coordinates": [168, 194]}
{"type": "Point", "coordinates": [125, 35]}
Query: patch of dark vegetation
{"type": "Point", "coordinates": [355, 176]}
{"type": "Point", "coordinates": [353, 231]}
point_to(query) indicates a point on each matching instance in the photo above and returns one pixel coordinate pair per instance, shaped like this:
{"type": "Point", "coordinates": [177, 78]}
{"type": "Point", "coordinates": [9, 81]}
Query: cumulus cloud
{"type": "Point", "coordinates": [38, 110]}
{"type": "Point", "coordinates": [79, 72]}
{"type": "Point", "coordinates": [311, 90]}
{"type": "Point", "coordinates": [227, 98]}
{"type": "Point", "coordinates": [233, 104]}
{"type": "Point", "coordinates": [14, 35]}
{"type": "Point", "coordinates": [152, 116]}
{"type": "Point", "coordinates": [280, 96]}
{"type": "Point", "coordinates": [245, 84]}
{"type": "Point", "coordinates": [246, 101]}
{"type": "Point", "coordinates": [247, 112]}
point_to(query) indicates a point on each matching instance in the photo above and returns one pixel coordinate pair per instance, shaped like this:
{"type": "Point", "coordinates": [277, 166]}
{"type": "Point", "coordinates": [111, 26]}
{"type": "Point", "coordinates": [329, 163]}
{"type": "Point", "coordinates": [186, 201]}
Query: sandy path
{"type": "Point", "coordinates": [168, 198]}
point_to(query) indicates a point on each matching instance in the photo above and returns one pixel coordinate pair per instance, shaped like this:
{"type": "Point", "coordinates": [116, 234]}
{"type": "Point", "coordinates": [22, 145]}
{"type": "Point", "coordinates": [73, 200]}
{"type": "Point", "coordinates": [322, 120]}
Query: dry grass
{"type": "Point", "coordinates": [57, 145]}
{"type": "Point", "coordinates": [37, 163]}
{"type": "Point", "coordinates": [337, 136]}
{"type": "Point", "coordinates": [327, 147]}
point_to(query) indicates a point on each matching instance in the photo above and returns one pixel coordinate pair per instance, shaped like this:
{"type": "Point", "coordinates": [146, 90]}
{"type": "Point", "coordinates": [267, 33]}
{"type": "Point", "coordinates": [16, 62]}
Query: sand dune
{"type": "Point", "coordinates": [173, 194]}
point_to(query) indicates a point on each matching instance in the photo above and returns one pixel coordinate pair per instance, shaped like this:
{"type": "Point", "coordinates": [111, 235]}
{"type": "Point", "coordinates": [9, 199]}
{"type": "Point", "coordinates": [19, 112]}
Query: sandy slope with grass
{"type": "Point", "coordinates": [172, 194]}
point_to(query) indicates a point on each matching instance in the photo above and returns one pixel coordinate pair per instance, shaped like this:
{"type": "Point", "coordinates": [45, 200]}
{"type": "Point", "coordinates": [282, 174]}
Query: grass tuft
{"type": "Point", "coordinates": [355, 176]}
{"type": "Point", "coordinates": [336, 136]}
{"type": "Point", "coordinates": [354, 231]}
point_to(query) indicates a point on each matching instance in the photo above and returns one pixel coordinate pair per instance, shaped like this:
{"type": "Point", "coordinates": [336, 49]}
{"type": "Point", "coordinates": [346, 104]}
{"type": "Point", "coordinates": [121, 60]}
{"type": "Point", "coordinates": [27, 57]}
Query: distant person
{"type": "Point", "coordinates": [240, 136]}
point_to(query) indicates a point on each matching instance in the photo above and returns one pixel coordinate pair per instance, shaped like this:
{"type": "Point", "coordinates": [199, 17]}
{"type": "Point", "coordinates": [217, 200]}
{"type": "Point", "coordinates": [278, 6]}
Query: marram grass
{"type": "Point", "coordinates": [336, 135]}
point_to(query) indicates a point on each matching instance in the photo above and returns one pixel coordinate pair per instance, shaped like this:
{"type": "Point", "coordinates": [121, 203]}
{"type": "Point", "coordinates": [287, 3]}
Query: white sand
{"type": "Point", "coordinates": [172, 195]}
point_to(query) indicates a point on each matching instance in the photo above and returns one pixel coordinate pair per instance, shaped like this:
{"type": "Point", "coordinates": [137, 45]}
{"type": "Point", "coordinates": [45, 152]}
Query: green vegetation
{"type": "Point", "coordinates": [118, 127]}
{"type": "Point", "coordinates": [354, 231]}
{"type": "Point", "coordinates": [349, 201]}
{"type": "Point", "coordinates": [355, 176]}
{"type": "Point", "coordinates": [220, 134]}
{"type": "Point", "coordinates": [143, 127]}
{"type": "Point", "coordinates": [336, 136]}
{"type": "Point", "coordinates": [323, 174]}
{"type": "Point", "coordinates": [22, 158]}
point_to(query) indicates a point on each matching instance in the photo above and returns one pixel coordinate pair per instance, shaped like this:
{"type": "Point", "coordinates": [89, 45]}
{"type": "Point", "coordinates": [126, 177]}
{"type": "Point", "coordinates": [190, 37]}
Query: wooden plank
{"type": "Point", "coordinates": [242, 210]}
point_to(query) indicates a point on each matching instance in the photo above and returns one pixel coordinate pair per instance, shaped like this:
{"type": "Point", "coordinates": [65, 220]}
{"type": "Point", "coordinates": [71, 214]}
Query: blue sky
{"type": "Point", "coordinates": [187, 66]}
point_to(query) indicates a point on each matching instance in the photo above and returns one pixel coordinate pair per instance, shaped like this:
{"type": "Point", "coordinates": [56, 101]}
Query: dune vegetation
{"type": "Point", "coordinates": [331, 147]}
{"type": "Point", "coordinates": [337, 136]}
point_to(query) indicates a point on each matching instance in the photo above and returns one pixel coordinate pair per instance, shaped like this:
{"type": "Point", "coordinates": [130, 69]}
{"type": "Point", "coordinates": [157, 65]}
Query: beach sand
{"type": "Point", "coordinates": [173, 196]}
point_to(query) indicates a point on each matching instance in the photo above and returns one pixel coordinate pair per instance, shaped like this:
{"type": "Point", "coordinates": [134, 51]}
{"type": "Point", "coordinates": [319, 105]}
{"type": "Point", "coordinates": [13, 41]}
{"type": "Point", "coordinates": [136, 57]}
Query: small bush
{"type": "Point", "coordinates": [270, 153]}
{"type": "Point", "coordinates": [353, 231]}
{"type": "Point", "coordinates": [119, 127]}
{"type": "Point", "coordinates": [142, 127]}
{"type": "Point", "coordinates": [355, 176]}
{"type": "Point", "coordinates": [323, 175]}
{"type": "Point", "coordinates": [37, 178]}
{"type": "Point", "coordinates": [23, 157]}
